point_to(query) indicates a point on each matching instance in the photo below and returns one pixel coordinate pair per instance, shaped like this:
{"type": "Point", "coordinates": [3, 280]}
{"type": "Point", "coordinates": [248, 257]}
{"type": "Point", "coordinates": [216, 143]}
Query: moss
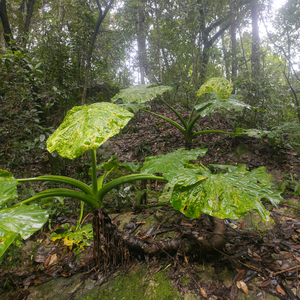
{"type": "Point", "coordinates": [136, 285]}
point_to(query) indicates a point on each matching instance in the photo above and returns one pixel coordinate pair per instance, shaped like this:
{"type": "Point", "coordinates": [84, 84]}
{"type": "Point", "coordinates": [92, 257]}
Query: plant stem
{"type": "Point", "coordinates": [94, 172]}
{"type": "Point", "coordinates": [121, 180]}
{"type": "Point", "coordinates": [213, 131]}
{"type": "Point", "coordinates": [61, 179]}
{"type": "Point", "coordinates": [64, 193]}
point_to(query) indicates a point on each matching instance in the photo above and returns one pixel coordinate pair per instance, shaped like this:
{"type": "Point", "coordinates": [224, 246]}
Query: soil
{"type": "Point", "coordinates": [258, 261]}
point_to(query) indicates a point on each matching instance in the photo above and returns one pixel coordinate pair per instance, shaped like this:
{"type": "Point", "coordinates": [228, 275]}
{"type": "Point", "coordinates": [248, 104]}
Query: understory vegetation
{"type": "Point", "coordinates": [157, 132]}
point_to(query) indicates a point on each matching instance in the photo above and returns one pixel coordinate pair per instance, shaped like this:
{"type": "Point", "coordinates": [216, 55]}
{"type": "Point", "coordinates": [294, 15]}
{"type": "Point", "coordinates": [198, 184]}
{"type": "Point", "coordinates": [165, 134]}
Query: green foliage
{"type": "Point", "coordinates": [173, 161]}
{"type": "Point", "coordinates": [22, 110]}
{"type": "Point", "coordinates": [75, 236]}
{"type": "Point", "coordinates": [133, 98]}
{"type": "Point", "coordinates": [140, 93]}
{"type": "Point", "coordinates": [7, 187]}
{"type": "Point", "coordinates": [220, 91]}
{"type": "Point", "coordinates": [217, 104]}
{"type": "Point", "coordinates": [21, 220]}
{"type": "Point", "coordinates": [196, 190]}
{"type": "Point", "coordinates": [287, 134]}
{"type": "Point", "coordinates": [219, 85]}
{"type": "Point", "coordinates": [84, 128]}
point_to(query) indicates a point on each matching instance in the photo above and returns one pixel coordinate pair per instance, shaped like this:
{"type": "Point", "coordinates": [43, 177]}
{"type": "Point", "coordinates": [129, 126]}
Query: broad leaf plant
{"type": "Point", "coordinates": [219, 89]}
{"type": "Point", "coordinates": [85, 128]}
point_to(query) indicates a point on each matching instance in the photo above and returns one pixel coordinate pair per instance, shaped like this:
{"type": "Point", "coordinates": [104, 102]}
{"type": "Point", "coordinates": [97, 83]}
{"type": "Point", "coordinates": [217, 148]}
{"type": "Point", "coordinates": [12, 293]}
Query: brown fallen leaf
{"type": "Point", "coordinates": [265, 283]}
{"type": "Point", "coordinates": [54, 258]}
{"type": "Point", "coordinates": [280, 290]}
{"type": "Point", "coordinates": [203, 293]}
{"type": "Point", "coordinates": [242, 286]}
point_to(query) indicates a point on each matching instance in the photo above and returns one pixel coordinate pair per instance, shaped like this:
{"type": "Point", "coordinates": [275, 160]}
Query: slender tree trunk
{"type": "Point", "coordinates": [158, 43]}
{"type": "Point", "coordinates": [255, 57]}
{"type": "Point", "coordinates": [226, 58]}
{"type": "Point", "coordinates": [101, 17]}
{"type": "Point", "coordinates": [144, 66]}
{"type": "Point", "coordinates": [233, 40]}
{"type": "Point", "coordinates": [2, 40]}
{"type": "Point", "coordinates": [141, 40]}
{"type": "Point", "coordinates": [243, 50]}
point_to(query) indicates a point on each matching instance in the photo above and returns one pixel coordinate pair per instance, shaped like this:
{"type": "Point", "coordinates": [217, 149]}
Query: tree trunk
{"type": "Point", "coordinates": [29, 12]}
{"type": "Point", "coordinates": [233, 40]}
{"type": "Point", "coordinates": [145, 70]}
{"type": "Point", "coordinates": [255, 57]}
{"type": "Point", "coordinates": [158, 44]}
{"type": "Point", "coordinates": [5, 22]}
{"type": "Point", "coordinates": [226, 58]}
{"type": "Point", "coordinates": [101, 17]}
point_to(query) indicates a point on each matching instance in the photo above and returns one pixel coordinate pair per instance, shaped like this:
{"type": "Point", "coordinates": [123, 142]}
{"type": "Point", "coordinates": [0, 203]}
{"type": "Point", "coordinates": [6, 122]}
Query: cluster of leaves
{"type": "Point", "coordinates": [21, 117]}
{"type": "Point", "coordinates": [71, 237]}
{"type": "Point", "coordinates": [287, 134]}
{"type": "Point", "coordinates": [195, 189]}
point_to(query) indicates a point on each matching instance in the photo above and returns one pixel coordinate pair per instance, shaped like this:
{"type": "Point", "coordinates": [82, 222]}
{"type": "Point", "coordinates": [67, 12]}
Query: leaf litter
{"type": "Point", "coordinates": [263, 259]}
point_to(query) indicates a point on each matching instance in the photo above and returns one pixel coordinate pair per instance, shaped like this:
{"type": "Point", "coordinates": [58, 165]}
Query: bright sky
{"type": "Point", "coordinates": [278, 3]}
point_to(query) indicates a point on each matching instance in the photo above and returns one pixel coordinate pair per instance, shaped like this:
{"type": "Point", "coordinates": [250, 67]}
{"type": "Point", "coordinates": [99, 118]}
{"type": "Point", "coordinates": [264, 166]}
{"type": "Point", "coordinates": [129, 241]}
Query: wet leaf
{"type": "Point", "coordinates": [8, 187]}
{"type": "Point", "coordinates": [227, 195]}
{"type": "Point", "coordinates": [87, 127]}
{"type": "Point", "coordinates": [6, 238]}
{"type": "Point", "coordinates": [24, 220]}
{"type": "Point", "coordinates": [171, 162]}
{"type": "Point", "coordinates": [166, 195]}
{"type": "Point", "coordinates": [140, 93]}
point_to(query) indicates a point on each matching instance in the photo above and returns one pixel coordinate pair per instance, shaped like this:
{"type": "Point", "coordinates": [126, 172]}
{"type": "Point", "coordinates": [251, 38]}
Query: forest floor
{"type": "Point", "coordinates": [262, 260]}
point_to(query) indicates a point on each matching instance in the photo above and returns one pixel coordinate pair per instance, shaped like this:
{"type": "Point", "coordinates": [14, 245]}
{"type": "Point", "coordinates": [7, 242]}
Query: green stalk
{"type": "Point", "coordinates": [192, 112]}
{"type": "Point", "coordinates": [61, 179]}
{"type": "Point", "coordinates": [64, 193]}
{"type": "Point", "coordinates": [94, 172]}
{"type": "Point", "coordinates": [213, 131]}
{"type": "Point", "coordinates": [175, 111]}
{"type": "Point", "coordinates": [121, 180]}
{"type": "Point", "coordinates": [168, 120]}
{"type": "Point", "coordinates": [103, 177]}
{"type": "Point", "coordinates": [193, 121]}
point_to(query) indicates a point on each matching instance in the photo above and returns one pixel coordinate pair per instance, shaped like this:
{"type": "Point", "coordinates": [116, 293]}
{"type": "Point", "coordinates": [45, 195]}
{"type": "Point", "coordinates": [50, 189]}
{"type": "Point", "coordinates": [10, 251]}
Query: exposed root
{"type": "Point", "coordinates": [112, 247]}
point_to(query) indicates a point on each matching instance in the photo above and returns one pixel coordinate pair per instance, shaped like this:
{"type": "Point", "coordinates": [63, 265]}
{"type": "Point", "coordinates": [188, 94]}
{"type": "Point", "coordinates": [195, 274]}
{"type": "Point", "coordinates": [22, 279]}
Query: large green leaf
{"type": "Point", "coordinates": [140, 93]}
{"type": "Point", "coordinates": [227, 195]}
{"type": "Point", "coordinates": [8, 187]}
{"type": "Point", "coordinates": [219, 85]}
{"type": "Point", "coordinates": [24, 220]}
{"type": "Point", "coordinates": [232, 103]}
{"type": "Point", "coordinates": [170, 162]}
{"type": "Point", "coordinates": [87, 127]}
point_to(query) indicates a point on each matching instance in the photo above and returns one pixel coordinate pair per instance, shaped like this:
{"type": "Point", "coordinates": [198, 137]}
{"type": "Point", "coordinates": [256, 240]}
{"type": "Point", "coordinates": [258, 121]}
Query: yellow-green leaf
{"type": "Point", "coordinates": [87, 127]}
{"type": "Point", "coordinates": [219, 85]}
